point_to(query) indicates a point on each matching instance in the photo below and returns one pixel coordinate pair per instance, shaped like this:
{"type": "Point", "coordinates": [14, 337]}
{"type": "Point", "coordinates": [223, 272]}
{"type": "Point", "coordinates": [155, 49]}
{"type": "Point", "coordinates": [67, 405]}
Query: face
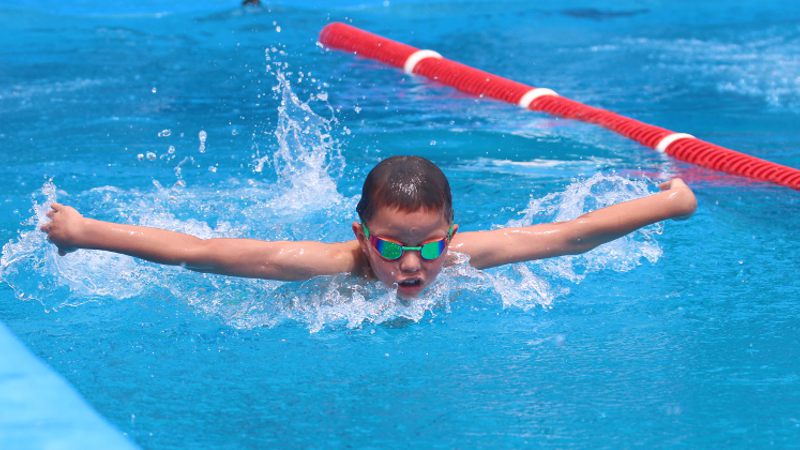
{"type": "Point", "coordinates": [411, 273]}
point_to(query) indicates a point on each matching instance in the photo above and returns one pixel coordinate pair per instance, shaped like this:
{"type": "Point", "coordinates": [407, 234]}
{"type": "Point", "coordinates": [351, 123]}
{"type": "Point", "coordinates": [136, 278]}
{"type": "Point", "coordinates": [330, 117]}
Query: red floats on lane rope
{"type": "Point", "coordinates": [431, 65]}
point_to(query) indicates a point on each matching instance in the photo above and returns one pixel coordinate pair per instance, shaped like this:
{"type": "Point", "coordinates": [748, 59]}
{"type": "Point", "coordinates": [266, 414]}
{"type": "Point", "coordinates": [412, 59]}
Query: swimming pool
{"type": "Point", "coordinates": [224, 121]}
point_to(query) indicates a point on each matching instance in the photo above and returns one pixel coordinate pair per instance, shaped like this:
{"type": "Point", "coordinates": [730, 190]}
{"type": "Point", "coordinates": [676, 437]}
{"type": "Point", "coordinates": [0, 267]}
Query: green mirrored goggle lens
{"type": "Point", "coordinates": [432, 250]}
{"type": "Point", "coordinates": [388, 249]}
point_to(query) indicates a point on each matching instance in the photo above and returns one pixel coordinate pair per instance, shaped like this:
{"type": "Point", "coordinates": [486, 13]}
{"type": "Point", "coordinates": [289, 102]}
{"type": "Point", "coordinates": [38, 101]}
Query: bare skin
{"type": "Point", "coordinates": [300, 260]}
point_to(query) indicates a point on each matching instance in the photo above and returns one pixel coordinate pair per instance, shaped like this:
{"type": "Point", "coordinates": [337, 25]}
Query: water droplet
{"type": "Point", "coordinates": [171, 149]}
{"type": "Point", "coordinates": [202, 135]}
{"type": "Point", "coordinates": [140, 156]}
{"type": "Point", "coordinates": [165, 133]}
{"type": "Point", "coordinates": [357, 109]}
{"type": "Point", "coordinates": [212, 169]}
{"type": "Point", "coordinates": [433, 142]}
{"type": "Point", "coordinates": [278, 29]}
{"type": "Point", "coordinates": [151, 156]}
{"type": "Point", "coordinates": [154, 90]}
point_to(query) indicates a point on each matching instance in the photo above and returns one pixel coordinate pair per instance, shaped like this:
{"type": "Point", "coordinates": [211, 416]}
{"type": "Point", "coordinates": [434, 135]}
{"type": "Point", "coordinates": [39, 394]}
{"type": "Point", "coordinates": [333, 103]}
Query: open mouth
{"type": "Point", "coordinates": [411, 282]}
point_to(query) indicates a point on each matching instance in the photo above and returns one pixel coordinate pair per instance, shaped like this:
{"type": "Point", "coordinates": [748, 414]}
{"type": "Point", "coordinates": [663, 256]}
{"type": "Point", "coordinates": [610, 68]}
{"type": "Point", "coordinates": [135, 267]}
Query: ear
{"type": "Point", "coordinates": [455, 230]}
{"type": "Point", "coordinates": [358, 231]}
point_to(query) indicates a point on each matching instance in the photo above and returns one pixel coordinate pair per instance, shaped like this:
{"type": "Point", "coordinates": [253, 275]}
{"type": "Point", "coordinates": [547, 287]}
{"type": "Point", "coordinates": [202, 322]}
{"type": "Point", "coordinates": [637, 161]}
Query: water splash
{"type": "Point", "coordinates": [308, 160]}
{"type": "Point", "coordinates": [598, 191]}
{"type": "Point", "coordinates": [30, 264]}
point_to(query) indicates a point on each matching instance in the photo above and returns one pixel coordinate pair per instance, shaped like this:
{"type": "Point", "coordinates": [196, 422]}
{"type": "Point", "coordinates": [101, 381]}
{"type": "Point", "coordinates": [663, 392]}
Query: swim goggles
{"type": "Point", "coordinates": [393, 250]}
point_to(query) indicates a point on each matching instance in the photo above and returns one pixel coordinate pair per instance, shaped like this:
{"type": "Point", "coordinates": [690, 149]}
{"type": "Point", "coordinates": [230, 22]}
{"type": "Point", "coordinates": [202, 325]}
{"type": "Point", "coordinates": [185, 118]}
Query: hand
{"type": "Point", "coordinates": [682, 200]}
{"type": "Point", "coordinates": [64, 227]}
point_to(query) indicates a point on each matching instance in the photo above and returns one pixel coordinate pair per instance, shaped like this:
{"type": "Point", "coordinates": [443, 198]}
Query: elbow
{"type": "Point", "coordinates": [198, 256]}
{"type": "Point", "coordinates": [576, 241]}
{"type": "Point", "coordinates": [579, 247]}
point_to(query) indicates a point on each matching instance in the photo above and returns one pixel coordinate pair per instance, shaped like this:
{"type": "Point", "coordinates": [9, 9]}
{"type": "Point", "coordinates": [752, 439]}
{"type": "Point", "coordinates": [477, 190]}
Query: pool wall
{"type": "Point", "coordinates": [39, 409]}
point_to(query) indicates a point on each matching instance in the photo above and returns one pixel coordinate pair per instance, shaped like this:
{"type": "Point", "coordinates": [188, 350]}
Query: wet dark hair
{"type": "Point", "coordinates": [408, 183]}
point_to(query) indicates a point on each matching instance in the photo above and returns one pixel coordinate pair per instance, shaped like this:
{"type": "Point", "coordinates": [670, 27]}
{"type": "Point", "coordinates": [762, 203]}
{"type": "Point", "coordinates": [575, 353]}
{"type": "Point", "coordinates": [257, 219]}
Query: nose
{"type": "Point", "coordinates": [410, 262]}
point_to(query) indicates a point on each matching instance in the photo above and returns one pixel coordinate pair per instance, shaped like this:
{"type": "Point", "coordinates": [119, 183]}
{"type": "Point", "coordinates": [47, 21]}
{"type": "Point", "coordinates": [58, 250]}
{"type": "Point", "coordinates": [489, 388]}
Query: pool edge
{"type": "Point", "coordinates": [40, 409]}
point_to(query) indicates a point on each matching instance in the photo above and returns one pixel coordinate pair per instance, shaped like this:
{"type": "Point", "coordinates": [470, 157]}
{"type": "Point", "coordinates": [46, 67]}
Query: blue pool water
{"type": "Point", "coordinates": [222, 121]}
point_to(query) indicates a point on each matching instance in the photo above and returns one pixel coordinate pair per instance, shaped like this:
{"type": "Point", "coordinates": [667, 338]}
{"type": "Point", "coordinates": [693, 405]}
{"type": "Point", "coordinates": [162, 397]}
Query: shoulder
{"type": "Point", "coordinates": [349, 255]}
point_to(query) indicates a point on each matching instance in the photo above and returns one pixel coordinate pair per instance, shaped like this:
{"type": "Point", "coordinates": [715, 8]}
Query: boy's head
{"type": "Point", "coordinates": [406, 183]}
{"type": "Point", "coordinates": [405, 202]}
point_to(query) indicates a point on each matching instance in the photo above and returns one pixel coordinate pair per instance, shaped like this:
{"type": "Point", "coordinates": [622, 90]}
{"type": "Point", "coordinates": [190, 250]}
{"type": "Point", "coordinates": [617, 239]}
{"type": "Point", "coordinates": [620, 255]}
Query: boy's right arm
{"type": "Point", "coordinates": [509, 245]}
{"type": "Point", "coordinates": [278, 260]}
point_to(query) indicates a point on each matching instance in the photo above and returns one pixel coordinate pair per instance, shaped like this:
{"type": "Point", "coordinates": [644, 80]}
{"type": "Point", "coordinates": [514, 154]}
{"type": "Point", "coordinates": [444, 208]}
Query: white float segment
{"type": "Point", "coordinates": [416, 57]}
{"type": "Point", "coordinates": [533, 94]}
{"type": "Point", "coordinates": [669, 139]}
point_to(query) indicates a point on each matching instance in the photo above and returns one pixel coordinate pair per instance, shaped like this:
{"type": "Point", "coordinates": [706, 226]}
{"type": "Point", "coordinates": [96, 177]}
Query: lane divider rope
{"type": "Point", "coordinates": [479, 83]}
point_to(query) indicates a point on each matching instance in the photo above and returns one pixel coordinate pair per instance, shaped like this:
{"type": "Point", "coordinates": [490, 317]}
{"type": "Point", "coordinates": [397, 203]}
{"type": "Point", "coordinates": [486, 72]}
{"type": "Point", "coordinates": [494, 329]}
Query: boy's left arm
{"type": "Point", "coordinates": [509, 245]}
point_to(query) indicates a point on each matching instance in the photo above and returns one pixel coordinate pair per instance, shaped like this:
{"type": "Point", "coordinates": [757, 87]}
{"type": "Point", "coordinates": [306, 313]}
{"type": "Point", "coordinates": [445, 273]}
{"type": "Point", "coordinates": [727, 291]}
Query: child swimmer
{"type": "Point", "coordinates": [406, 231]}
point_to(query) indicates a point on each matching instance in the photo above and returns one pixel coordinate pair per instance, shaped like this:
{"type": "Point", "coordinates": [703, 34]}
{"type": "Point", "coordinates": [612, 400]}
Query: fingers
{"type": "Point", "coordinates": [50, 214]}
{"type": "Point", "coordinates": [674, 183]}
{"type": "Point", "coordinates": [56, 206]}
{"type": "Point", "coordinates": [62, 252]}
{"type": "Point", "coordinates": [46, 227]}
{"type": "Point", "coordinates": [677, 182]}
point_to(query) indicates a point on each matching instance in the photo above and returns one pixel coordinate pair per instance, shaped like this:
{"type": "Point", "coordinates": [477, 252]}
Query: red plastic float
{"type": "Point", "coordinates": [430, 64]}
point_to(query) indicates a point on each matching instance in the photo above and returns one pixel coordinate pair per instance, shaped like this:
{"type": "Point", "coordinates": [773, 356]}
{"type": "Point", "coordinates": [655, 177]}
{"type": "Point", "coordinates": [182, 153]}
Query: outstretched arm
{"type": "Point", "coordinates": [508, 245]}
{"type": "Point", "coordinates": [279, 260]}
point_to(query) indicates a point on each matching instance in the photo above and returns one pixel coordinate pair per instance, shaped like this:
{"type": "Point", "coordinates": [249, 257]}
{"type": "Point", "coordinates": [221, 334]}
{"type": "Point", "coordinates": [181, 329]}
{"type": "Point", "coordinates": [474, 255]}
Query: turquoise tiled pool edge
{"type": "Point", "coordinates": [41, 410]}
